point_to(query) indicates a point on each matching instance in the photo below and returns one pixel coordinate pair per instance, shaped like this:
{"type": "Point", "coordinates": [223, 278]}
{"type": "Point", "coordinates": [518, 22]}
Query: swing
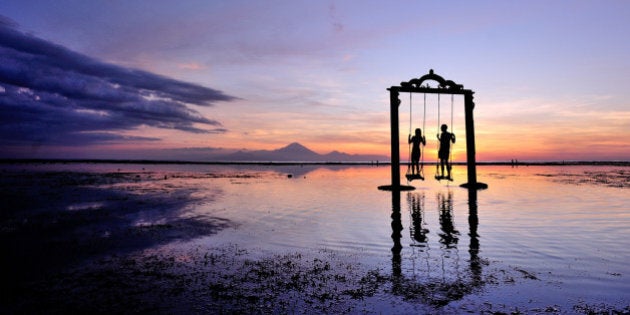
{"type": "Point", "coordinates": [410, 175]}
{"type": "Point", "coordinates": [440, 176]}
{"type": "Point", "coordinates": [415, 85]}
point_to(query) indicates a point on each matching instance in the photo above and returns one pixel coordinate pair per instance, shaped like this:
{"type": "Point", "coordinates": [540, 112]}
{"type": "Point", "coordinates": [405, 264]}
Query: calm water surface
{"type": "Point", "coordinates": [567, 237]}
{"type": "Point", "coordinates": [562, 232]}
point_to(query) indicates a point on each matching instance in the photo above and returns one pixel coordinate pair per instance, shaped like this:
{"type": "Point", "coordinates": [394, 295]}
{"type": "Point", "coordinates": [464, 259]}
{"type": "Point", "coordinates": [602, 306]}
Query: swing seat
{"type": "Point", "coordinates": [411, 177]}
{"type": "Point", "coordinates": [438, 177]}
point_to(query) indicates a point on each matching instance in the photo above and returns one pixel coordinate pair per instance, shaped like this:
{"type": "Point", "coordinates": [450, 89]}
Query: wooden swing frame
{"type": "Point", "coordinates": [444, 87]}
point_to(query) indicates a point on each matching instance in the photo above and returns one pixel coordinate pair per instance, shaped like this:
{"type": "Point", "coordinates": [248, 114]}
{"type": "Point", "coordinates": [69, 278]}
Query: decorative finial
{"type": "Point", "coordinates": [431, 71]}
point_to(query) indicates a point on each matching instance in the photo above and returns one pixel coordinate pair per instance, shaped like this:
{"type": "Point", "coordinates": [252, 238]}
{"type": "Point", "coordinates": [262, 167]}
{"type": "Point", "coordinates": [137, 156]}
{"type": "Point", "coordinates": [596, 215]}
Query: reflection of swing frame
{"type": "Point", "coordinates": [444, 87]}
{"type": "Point", "coordinates": [435, 290]}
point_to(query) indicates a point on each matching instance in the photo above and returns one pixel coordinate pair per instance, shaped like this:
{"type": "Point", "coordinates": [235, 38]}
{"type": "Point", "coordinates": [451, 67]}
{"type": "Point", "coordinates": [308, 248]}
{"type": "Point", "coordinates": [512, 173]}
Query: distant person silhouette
{"type": "Point", "coordinates": [445, 139]}
{"type": "Point", "coordinates": [415, 150]}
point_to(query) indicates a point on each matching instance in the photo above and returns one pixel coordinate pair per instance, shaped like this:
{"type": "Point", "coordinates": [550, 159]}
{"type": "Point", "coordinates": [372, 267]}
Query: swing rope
{"type": "Point", "coordinates": [450, 152]}
{"type": "Point", "coordinates": [410, 111]}
{"type": "Point", "coordinates": [437, 164]}
{"type": "Point", "coordinates": [424, 121]}
{"type": "Point", "coordinates": [409, 144]}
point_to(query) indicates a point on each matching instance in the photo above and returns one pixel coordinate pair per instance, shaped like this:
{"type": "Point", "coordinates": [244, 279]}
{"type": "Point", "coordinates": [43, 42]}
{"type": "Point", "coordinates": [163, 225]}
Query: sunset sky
{"type": "Point", "coordinates": [128, 78]}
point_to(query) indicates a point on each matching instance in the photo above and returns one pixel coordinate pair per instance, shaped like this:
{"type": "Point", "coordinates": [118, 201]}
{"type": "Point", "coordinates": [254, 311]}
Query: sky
{"type": "Point", "coordinates": [131, 79]}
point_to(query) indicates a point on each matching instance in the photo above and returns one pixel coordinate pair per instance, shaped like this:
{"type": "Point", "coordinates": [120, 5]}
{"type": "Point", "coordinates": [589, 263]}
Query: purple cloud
{"type": "Point", "coordinates": [52, 95]}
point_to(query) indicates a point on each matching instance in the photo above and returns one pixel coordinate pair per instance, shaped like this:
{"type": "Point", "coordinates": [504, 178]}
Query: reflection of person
{"type": "Point", "coordinates": [449, 235]}
{"type": "Point", "coordinates": [445, 139]}
{"type": "Point", "coordinates": [417, 230]}
{"type": "Point", "coordinates": [415, 150]}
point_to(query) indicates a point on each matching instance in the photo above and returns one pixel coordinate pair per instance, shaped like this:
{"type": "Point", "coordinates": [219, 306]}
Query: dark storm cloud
{"type": "Point", "coordinates": [51, 95]}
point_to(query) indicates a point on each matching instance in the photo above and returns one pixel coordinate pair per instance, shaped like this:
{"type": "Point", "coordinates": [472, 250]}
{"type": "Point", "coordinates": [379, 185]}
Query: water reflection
{"type": "Point", "coordinates": [449, 235]}
{"type": "Point", "coordinates": [454, 282]}
{"type": "Point", "coordinates": [473, 246]}
{"type": "Point", "coordinates": [396, 236]}
{"type": "Point", "coordinates": [417, 230]}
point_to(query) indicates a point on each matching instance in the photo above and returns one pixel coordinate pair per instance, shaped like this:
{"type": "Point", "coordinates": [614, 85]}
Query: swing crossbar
{"type": "Point", "coordinates": [429, 90]}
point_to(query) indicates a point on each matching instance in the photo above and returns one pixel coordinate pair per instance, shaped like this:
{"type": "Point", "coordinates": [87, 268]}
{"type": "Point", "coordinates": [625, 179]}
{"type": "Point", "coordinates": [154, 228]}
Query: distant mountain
{"type": "Point", "coordinates": [298, 152]}
{"type": "Point", "coordinates": [295, 152]}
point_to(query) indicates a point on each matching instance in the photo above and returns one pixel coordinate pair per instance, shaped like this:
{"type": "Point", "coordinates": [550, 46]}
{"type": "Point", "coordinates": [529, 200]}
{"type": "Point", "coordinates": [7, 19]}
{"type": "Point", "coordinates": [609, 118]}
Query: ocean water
{"type": "Point", "coordinates": [563, 231]}
{"type": "Point", "coordinates": [538, 237]}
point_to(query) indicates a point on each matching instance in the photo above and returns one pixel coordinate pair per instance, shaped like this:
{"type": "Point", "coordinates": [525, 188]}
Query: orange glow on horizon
{"type": "Point", "coordinates": [500, 138]}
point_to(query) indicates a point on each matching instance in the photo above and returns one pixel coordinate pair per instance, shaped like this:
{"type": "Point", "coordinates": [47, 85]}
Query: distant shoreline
{"type": "Point", "coordinates": [281, 163]}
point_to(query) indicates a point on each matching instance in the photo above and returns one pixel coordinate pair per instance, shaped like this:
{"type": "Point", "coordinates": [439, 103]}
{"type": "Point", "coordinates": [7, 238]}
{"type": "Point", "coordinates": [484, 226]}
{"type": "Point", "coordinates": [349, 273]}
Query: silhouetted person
{"type": "Point", "coordinates": [417, 139]}
{"type": "Point", "coordinates": [445, 139]}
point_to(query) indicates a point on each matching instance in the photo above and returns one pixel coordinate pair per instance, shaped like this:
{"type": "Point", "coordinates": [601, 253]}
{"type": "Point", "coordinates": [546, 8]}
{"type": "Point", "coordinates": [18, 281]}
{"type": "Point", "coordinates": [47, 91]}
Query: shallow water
{"type": "Point", "coordinates": [567, 236]}
{"type": "Point", "coordinates": [554, 235]}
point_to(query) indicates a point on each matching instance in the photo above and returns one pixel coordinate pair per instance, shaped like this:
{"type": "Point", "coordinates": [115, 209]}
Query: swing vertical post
{"type": "Point", "coordinates": [395, 152]}
{"type": "Point", "coordinates": [394, 103]}
{"type": "Point", "coordinates": [471, 161]}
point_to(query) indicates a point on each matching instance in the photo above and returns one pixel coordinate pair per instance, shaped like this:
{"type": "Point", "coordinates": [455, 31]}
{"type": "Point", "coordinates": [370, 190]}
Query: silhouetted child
{"type": "Point", "coordinates": [445, 149]}
{"type": "Point", "coordinates": [415, 150]}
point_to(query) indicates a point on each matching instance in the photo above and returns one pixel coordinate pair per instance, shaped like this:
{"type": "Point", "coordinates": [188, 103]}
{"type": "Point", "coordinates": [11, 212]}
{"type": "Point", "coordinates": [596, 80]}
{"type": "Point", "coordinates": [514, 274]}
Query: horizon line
{"type": "Point", "coordinates": [374, 162]}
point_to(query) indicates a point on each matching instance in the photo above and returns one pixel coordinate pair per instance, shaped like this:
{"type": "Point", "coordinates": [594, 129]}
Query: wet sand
{"type": "Point", "coordinates": [72, 242]}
